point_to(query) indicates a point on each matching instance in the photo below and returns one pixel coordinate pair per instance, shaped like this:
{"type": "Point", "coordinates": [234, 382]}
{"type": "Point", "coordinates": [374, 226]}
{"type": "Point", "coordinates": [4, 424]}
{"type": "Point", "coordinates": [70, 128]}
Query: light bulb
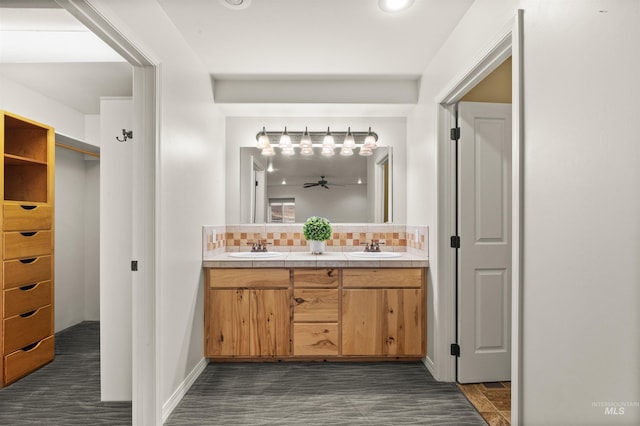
{"type": "Point", "coordinates": [263, 140]}
{"type": "Point", "coordinates": [269, 152]}
{"type": "Point", "coordinates": [305, 140]}
{"type": "Point", "coordinates": [370, 140]}
{"type": "Point", "coordinates": [327, 152]}
{"type": "Point", "coordinates": [349, 141]}
{"type": "Point", "coordinates": [288, 151]}
{"type": "Point", "coordinates": [285, 140]}
{"type": "Point", "coordinates": [328, 140]}
{"type": "Point", "coordinates": [346, 151]}
{"type": "Point", "coordinates": [365, 152]}
{"type": "Point", "coordinates": [306, 151]}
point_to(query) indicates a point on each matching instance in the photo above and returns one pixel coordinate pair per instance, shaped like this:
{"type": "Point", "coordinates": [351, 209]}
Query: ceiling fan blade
{"type": "Point", "coordinates": [325, 186]}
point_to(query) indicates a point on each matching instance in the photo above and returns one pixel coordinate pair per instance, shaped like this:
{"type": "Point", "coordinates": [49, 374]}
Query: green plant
{"type": "Point", "coordinates": [317, 229]}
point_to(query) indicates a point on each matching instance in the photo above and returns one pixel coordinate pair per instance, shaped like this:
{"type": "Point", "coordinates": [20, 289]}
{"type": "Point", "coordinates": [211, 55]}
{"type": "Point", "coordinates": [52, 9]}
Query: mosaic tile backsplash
{"type": "Point", "coordinates": [346, 237]}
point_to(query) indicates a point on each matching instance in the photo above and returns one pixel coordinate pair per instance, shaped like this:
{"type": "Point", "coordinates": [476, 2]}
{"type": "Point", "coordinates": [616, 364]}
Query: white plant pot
{"type": "Point", "coordinates": [317, 247]}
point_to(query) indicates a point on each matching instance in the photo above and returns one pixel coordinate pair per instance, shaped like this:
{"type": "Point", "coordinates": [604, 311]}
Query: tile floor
{"type": "Point", "coordinates": [492, 400]}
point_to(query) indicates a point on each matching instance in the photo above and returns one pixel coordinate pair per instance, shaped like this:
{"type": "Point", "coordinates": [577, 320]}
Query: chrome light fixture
{"type": "Point", "coordinates": [287, 141]}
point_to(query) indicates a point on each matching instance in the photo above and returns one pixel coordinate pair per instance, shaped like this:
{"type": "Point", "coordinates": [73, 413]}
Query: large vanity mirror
{"type": "Point", "coordinates": [289, 189]}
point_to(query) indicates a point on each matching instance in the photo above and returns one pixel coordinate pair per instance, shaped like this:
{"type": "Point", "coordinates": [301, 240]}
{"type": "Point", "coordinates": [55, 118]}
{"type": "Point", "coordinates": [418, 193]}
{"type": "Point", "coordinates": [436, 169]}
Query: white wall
{"type": "Point", "coordinates": [69, 241]}
{"type": "Point", "coordinates": [190, 177]}
{"type": "Point", "coordinates": [115, 250]}
{"type": "Point", "coordinates": [581, 298]}
{"type": "Point", "coordinates": [23, 101]}
{"type": "Point", "coordinates": [318, 201]}
{"type": "Point", "coordinates": [241, 131]}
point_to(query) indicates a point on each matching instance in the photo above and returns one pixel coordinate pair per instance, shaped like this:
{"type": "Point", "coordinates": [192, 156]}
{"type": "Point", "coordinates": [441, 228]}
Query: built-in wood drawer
{"type": "Point", "coordinates": [27, 298]}
{"type": "Point", "coordinates": [382, 278]}
{"type": "Point", "coordinates": [17, 273]}
{"type": "Point", "coordinates": [320, 278]}
{"type": "Point", "coordinates": [248, 278]}
{"type": "Point", "coordinates": [27, 244]}
{"type": "Point", "coordinates": [315, 305]}
{"type": "Point", "coordinates": [24, 361]}
{"type": "Point", "coordinates": [315, 339]}
{"type": "Point", "coordinates": [23, 330]}
{"type": "Point", "coordinates": [27, 217]}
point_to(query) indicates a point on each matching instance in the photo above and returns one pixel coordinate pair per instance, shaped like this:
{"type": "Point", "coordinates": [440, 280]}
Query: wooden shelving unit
{"type": "Point", "coordinates": [27, 284]}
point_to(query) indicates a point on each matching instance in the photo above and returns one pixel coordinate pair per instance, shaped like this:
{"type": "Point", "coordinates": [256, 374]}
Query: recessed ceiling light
{"type": "Point", "coordinates": [236, 4]}
{"type": "Point", "coordinates": [393, 6]}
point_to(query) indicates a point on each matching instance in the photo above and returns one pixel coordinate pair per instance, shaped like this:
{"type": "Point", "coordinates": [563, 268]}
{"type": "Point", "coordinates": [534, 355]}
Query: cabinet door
{"type": "Point", "coordinates": [270, 323]}
{"type": "Point", "coordinates": [229, 323]}
{"type": "Point", "coordinates": [382, 322]}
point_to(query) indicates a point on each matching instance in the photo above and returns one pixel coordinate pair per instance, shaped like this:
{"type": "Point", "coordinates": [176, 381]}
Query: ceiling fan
{"type": "Point", "coordinates": [322, 182]}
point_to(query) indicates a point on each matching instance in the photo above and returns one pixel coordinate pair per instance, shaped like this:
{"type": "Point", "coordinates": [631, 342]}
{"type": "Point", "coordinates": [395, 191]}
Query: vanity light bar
{"type": "Point", "coordinates": [317, 138]}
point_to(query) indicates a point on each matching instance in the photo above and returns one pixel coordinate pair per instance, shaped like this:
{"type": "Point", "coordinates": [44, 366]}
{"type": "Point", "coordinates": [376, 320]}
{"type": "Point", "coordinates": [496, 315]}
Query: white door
{"type": "Point", "coordinates": [484, 268]}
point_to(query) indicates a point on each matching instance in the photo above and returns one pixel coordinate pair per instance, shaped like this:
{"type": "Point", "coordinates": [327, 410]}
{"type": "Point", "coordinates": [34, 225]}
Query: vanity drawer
{"type": "Point", "coordinates": [315, 305]}
{"type": "Point", "coordinates": [22, 272]}
{"type": "Point", "coordinates": [319, 278]}
{"type": "Point", "coordinates": [248, 278]}
{"type": "Point", "coordinates": [24, 361]}
{"type": "Point", "coordinates": [27, 298]}
{"type": "Point", "coordinates": [21, 331]}
{"type": "Point", "coordinates": [27, 244]}
{"type": "Point", "coordinates": [21, 217]}
{"type": "Point", "coordinates": [315, 339]}
{"type": "Point", "coordinates": [382, 278]}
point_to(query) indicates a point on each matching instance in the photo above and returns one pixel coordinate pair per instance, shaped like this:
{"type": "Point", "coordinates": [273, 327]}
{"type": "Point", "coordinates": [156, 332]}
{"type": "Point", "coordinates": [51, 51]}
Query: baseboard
{"type": "Point", "coordinates": [182, 390]}
{"type": "Point", "coordinates": [428, 362]}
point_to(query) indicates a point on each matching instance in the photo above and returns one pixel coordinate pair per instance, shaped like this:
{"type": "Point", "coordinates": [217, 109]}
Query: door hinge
{"type": "Point", "coordinates": [455, 349]}
{"type": "Point", "coordinates": [455, 241]}
{"type": "Point", "coordinates": [134, 265]}
{"type": "Point", "coordinates": [455, 133]}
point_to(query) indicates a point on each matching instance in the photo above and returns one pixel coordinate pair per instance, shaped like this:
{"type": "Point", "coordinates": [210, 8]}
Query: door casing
{"type": "Point", "coordinates": [508, 42]}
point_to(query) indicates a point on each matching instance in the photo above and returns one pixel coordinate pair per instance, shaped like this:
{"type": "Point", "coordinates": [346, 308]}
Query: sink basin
{"type": "Point", "coordinates": [374, 254]}
{"type": "Point", "coordinates": [256, 255]}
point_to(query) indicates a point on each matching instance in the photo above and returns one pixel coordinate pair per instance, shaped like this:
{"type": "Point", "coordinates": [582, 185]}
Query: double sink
{"type": "Point", "coordinates": [355, 254]}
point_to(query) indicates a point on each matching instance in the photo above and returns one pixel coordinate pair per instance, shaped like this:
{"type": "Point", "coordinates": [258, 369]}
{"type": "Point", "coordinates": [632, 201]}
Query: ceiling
{"type": "Point", "coordinates": [319, 46]}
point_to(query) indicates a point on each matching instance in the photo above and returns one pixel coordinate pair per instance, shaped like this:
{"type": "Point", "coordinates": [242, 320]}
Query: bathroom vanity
{"type": "Point", "coordinates": [305, 307]}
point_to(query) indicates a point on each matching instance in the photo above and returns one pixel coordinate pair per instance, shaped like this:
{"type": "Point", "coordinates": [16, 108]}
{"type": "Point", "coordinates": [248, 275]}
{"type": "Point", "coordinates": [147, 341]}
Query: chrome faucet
{"type": "Point", "coordinates": [260, 246]}
{"type": "Point", "coordinates": [373, 247]}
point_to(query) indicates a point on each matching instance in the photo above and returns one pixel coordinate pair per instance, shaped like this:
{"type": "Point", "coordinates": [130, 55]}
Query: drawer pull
{"type": "Point", "coordinates": [26, 261]}
{"type": "Point", "coordinates": [28, 314]}
{"type": "Point", "coordinates": [25, 207]}
{"type": "Point", "coordinates": [28, 234]}
{"type": "Point", "coordinates": [28, 287]}
{"type": "Point", "coordinates": [29, 347]}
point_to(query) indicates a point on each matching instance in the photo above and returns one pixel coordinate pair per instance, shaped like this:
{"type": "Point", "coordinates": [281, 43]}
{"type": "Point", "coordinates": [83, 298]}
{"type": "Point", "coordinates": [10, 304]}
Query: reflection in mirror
{"type": "Point", "coordinates": [290, 189]}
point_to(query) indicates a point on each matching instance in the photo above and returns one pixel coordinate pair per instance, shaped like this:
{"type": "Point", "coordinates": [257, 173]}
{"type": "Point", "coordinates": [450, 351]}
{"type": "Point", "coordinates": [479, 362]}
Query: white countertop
{"type": "Point", "coordinates": [308, 260]}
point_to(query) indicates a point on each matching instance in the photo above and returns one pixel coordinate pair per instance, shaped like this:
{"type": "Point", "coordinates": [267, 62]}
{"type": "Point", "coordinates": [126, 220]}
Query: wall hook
{"type": "Point", "coordinates": [126, 135]}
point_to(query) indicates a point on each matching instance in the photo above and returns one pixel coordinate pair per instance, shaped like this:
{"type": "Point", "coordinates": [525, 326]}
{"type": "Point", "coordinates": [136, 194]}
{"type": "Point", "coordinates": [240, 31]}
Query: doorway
{"type": "Point", "coordinates": [508, 44]}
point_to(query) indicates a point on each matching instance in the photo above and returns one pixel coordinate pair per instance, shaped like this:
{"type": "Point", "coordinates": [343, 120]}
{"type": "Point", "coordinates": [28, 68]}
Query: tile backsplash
{"type": "Point", "coordinates": [289, 237]}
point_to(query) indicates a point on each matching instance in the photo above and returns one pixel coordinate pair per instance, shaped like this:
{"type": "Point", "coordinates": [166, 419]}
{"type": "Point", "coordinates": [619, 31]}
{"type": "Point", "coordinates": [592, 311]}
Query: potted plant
{"type": "Point", "coordinates": [317, 230]}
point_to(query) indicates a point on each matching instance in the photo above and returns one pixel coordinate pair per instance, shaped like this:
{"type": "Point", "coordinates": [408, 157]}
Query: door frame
{"type": "Point", "coordinates": [146, 399]}
{"type": "Point", "coordinates": [508, 42]}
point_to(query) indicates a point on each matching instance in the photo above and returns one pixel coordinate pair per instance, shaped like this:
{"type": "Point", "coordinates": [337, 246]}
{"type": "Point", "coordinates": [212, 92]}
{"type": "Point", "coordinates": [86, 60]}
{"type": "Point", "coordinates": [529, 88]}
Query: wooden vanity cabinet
{"type": "Point", "coordinates": [383, 312]}
{"type": "Point", "coordinates": [316, 312]}
{"type": "Point", "coordinates": [248, 313]}
{"type": "Point", "coordinates": [26, 216]}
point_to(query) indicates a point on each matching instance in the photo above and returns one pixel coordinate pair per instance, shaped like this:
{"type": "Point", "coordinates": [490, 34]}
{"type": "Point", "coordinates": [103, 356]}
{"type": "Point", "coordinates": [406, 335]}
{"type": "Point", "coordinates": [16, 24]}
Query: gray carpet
{"type": "Point", "coordinates": [66, 391]}
{"type": "Point", "coordinates": [391, 393]}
